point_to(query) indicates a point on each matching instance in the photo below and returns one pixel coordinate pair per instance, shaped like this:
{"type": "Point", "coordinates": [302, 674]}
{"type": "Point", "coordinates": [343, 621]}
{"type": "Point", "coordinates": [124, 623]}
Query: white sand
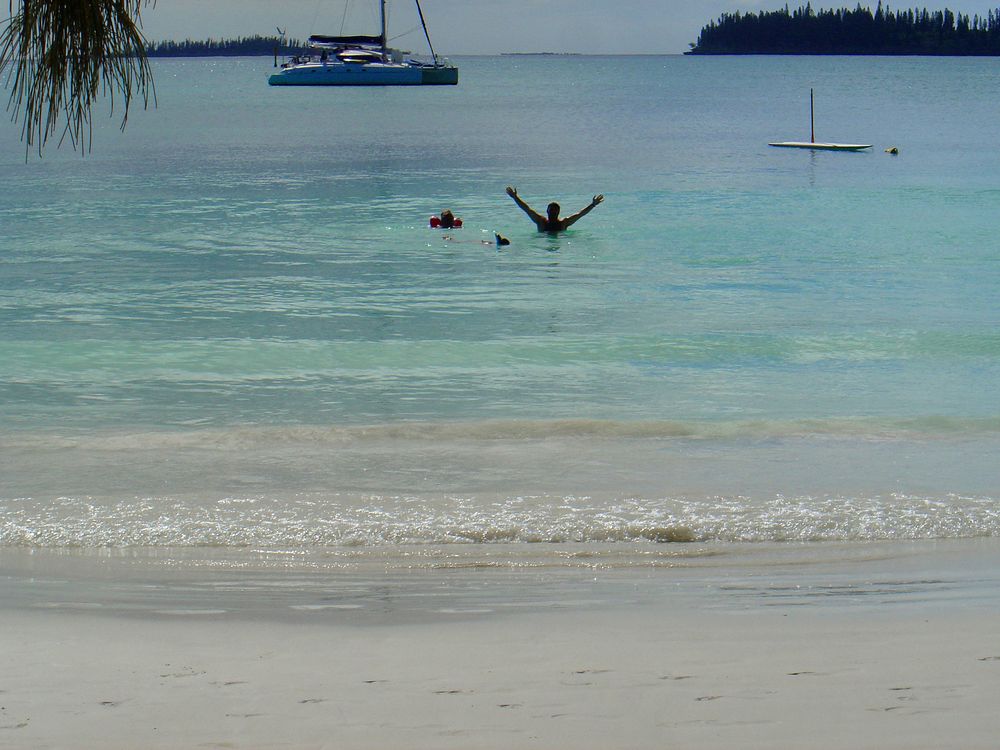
{"type": "Point", "coordinates": [910, 661]}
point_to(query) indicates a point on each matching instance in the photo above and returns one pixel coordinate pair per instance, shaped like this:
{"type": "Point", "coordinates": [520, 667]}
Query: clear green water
{"type": "Point", "coordinates": [254, 261]}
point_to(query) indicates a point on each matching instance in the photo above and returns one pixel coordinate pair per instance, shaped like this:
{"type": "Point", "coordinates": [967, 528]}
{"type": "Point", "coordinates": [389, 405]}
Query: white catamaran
{"type": "Point", "coordinates": [364, 61]}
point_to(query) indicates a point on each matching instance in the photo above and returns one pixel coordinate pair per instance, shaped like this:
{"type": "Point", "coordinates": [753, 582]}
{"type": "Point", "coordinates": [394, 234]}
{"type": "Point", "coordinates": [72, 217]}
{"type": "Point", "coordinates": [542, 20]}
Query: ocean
{"type": "Point", "coordinates": [229, 327]}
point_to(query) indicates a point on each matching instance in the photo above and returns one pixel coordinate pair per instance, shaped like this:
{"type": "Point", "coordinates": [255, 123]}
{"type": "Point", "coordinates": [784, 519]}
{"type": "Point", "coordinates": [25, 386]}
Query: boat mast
{"type": "Point", "coordinates": [383, 35]}
{"type": "Point", "coordinates": [812, 119]}
{"type": "Point", "coordinates": [426, 33]}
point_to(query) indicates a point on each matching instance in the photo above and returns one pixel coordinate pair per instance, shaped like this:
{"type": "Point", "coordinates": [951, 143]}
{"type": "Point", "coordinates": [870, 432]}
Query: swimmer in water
{"type": "Point", "coordinates": [447, 220]}
{"type": "Point", "coordinates": [552, 222]}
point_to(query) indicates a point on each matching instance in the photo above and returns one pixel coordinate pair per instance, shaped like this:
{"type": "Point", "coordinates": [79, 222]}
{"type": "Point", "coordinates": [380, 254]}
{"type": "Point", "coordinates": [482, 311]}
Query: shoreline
{"type": "Point", "coordinates": [879, 645]}
{"type": "Point", "coordinates": [455, 483]}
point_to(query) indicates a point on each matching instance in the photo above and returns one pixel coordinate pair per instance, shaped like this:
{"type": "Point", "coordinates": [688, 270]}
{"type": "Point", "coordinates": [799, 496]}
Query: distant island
{"type": "Point", "coordinates": [242, 47]}
{"type": "Point", "coordinates": [850, 32]}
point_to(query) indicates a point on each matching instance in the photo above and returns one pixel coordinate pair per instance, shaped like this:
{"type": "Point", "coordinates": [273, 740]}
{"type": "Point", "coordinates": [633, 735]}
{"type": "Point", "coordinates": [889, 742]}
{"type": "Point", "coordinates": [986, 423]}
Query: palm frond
{"type": "Point", "coordinates": [59, 56]}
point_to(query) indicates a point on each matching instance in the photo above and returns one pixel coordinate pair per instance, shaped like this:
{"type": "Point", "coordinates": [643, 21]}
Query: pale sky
{"type": "Point", "coordinates": [486, 26]}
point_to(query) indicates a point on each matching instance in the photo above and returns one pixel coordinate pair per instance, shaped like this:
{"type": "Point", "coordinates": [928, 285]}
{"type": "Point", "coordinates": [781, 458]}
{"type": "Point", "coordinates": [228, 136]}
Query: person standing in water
{"type": "Point", "coordinates": [552, 222]}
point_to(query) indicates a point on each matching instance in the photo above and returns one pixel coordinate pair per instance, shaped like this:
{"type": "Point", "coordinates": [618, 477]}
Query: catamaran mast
{"type": "Point", "coordinates": [426, 33]}
{"type": "Point", "coordinates": [383, 36]}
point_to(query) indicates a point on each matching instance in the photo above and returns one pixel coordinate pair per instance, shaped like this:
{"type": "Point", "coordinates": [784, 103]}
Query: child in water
{"type": "Point", "coordinates": [446, 220]}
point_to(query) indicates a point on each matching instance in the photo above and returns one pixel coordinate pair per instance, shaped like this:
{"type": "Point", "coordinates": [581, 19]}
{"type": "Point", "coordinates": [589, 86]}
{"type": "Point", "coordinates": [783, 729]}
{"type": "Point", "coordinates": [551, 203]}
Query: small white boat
{"type": "Point", "coordinates": [364, 61]}
{"type": "Point", "coordinates": [823, 146]}
{"type": "Point", "coordinates": [819, 146]}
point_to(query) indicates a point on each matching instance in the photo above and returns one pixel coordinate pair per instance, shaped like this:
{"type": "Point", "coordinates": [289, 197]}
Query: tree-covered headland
{"type": "Point", "coordinates": [851, 32]}
{"type": "Point", "coordinates": [240, 47]}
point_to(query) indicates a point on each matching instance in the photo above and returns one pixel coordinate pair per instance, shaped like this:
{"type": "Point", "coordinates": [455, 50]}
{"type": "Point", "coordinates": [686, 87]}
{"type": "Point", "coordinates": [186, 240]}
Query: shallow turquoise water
{"type": "Point", "coordinates": [246, 257]}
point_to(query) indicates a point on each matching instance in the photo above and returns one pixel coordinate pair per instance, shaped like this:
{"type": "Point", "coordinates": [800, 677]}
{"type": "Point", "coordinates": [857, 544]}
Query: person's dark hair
{"type": "Point", "coordinates": [553, 210]}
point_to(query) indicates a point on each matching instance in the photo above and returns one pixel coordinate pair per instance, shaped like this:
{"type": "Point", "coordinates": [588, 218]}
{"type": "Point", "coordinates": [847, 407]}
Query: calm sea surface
{"type": "Point", "coordinates": [230, 324]}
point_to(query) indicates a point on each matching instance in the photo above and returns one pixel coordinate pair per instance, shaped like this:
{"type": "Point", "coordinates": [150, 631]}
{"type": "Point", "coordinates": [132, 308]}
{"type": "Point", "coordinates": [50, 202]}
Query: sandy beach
{"type": "Point", "coordinates": [828, 646]}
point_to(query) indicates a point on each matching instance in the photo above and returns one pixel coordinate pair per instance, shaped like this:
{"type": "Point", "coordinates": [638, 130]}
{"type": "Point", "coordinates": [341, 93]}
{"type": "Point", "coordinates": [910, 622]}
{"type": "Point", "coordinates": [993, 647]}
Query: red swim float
{"type": "Point", "coordinates": [436, 223]}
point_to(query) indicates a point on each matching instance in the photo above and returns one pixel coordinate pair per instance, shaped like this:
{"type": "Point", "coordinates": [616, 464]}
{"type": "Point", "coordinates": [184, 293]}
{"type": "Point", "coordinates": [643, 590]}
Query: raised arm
{"type": "Point", "coordinates": [570, 220]}
{"type": "Point", "coordinates": [532, 213]}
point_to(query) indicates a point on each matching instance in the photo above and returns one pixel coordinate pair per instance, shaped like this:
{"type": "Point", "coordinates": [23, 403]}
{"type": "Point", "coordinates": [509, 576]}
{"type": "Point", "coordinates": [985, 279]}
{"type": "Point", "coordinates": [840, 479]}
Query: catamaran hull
{"type": "Point", "coordinates": [369, 74]}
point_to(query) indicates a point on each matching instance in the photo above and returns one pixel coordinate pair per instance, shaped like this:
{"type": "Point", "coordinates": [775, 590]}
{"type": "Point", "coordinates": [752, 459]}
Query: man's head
{"type": "Point", "coordinates": [553, 210]}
